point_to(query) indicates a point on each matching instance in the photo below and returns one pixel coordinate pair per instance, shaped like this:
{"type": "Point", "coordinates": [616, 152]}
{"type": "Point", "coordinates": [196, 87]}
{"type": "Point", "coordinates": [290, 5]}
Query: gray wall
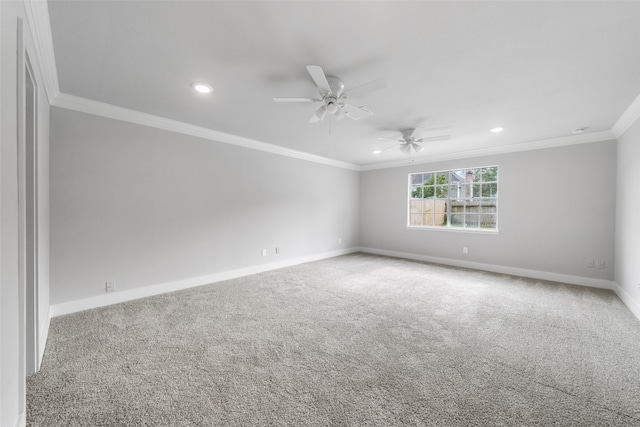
{"type": "Point", "coordinates": [556, 211]}
{"type": "Point", "coordinates": [145, 206]}
{"type": "Point", "coordinates": [12, 397]}
{"type": "Point", "coordinates": [627, 213]}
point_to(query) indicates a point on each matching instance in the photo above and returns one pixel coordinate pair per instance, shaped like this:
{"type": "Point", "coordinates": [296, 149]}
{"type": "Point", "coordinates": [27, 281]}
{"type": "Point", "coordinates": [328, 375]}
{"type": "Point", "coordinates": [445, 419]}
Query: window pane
{"type": "Point", "coordinates": [488, 221]}
{"type": "Point", "coordinates": [419, 206]}
{"type": "Point", "coordinates": [472, 206]}
{"type": "Point", "coordinates": [457, 176]}
{"type": "Point", "coordinates": [439, 212]}
{"type": "Point", "coordinates": [473, 175]}
{"type": "Point", "coordinates": [429, 191]}
{"type": "Point", "coordinates": [422, 219]}
{"type": "Point", "coordinates": [442, 191]}
{"type": "Point", "coordinates": [417, 192]}
{"type": "Point", "coordinates": [415, 219]}
{"type": "Point", "coordinates": [441, 178]}
{"type": "Point", "coordinates": [472, 221]}
{"type": "Point", "coordinates": [476, 191]}
{"type": "Point", "coordinates": [489, 190]}
{"type": "Point", "coordinates": [457, 220]}
{"type": "Point", "coordinates": [455, 192]}
{"type": "Point", "coordinates": [490, 174]}
{"type": "Point", "coordinates": [416, 178]}
{"type": "Point", "coordinates": [466, 191]}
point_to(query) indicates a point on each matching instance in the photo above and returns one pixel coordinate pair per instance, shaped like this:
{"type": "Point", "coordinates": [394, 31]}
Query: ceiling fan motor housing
{"type": "Point", "coordinates": [336, 85]}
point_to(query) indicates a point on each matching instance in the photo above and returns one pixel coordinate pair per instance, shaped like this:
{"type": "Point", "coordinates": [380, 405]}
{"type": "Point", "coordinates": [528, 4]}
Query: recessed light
{"type": "Point", "coordinates": [377, 151]}
{"type": "Point", "coordinates": [579, 130]}
{"type": "Point", "coordinates": [497, 130]}
{"type": "Point", "coordinates": [202, 87]}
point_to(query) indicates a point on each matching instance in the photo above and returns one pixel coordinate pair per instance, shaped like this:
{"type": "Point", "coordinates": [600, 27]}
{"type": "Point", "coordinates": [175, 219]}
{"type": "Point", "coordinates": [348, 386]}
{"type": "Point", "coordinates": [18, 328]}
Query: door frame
{"type": "Point", "coordinates": [28, 207]}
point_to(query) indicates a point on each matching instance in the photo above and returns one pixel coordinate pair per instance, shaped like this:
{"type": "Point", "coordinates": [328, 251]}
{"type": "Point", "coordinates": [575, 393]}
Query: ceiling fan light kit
{"type": "Point", "coordinates": [410, 142]}
{"type": "Point", "coordinates": [333, 95]}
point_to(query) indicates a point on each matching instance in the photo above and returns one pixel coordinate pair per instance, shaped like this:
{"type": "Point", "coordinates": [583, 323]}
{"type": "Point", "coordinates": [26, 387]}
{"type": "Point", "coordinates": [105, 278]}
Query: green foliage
{"type": "Point", "coordinates": [489, 174]}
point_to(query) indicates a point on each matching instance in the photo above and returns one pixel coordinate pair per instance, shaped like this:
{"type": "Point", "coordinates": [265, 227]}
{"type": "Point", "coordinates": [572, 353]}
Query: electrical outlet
{"type": "Point", "coordinates": [601, 264]}
{"type": "Point", "coordinates": [277, 250]}
{"type": "Point", "coordinates": [591, 263]}
{"type": "Point", "coordinates": [465, 250]}
{"type": "Point", "coordinates": [110, 286]}
{"type": "Point", "coordinates": [264, 252]}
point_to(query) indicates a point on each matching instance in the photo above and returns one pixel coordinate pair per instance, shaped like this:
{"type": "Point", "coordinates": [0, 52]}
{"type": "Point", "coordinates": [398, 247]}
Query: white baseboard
{"type": "Point", "coordinates": [22, 419]}
{"type": "Point", "coordinates": [122, 296]}
{"type": "Point", "coordinates": [42, 340]}
{"type": "Point", "coordinates": [628, 300]}
{"type": "Point", "coordinates": [522, 272]}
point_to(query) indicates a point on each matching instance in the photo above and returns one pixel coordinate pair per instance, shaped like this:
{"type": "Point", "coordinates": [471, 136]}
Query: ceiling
{"type": "Point", "coordinates": [538, 69]}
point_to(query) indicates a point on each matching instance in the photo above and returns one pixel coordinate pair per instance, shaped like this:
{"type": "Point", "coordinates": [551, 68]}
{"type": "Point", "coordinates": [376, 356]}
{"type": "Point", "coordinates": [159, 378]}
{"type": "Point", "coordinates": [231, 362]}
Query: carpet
{"type": "Point", "coordinates": [356, 340]}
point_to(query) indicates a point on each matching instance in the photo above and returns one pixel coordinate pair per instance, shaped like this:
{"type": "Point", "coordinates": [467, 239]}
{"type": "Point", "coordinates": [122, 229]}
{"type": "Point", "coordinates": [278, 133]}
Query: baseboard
{"type": "Point", "coordinates": [42, 340]}
{"type": "Point", "coordinates": [22, 419]}
{"type": "Point", "coordinates": [522, 272]}
{"type": "Point", "coordinates": [123, 296]}
{"type": "Point", "coordinates": [627, 299]}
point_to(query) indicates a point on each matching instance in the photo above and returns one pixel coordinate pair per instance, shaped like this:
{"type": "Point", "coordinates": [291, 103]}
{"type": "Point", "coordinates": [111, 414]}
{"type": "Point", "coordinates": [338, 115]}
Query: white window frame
{"type": "Point", "coordinates": [484, 207]}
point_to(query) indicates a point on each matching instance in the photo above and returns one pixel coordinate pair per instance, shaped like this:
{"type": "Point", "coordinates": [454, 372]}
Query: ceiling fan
{"type": "Point", "coordinates": [332, 96]}
{"type": "Point", "coordinates": [410, 142]}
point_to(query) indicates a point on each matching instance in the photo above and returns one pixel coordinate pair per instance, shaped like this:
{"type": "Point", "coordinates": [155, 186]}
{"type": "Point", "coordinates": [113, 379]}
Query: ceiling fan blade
{"type": "Point", "coordinates": [414, 133]}
{"type": "Point", "coordinates": [356, 113]}
{"type": "Point", "coordinates": [417, 147]}
{"type": "Point", "coordinates": [417, 131]}
{"type": "Point", "coordinates": [297, 99]}
{"type": "Point", "coordinates": [319, 78]}
{"type": "Point", "coordinates": [391, 148]}
{"type": "Point", "coordinates": [318, 116]}
{"type": "Point", "coordinates": [434, 138]}
{"type": "Point", "coordinates": [407, 134]}
{"type": "Point", "coordinates": [432, 128]}
{"type": "Point", "coordinates": [405, 148]}
{"type": "Point", "coordinates": [366, 88]}
{"type": "Point", "coordinates": [390, 139]}
{"type": "Point", "coordinates": [340, 114]}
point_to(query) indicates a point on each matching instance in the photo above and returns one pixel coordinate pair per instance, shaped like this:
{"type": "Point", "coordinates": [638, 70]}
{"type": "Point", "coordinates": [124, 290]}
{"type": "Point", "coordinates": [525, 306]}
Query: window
{"type": "Point", "coordinates": [459, 198]}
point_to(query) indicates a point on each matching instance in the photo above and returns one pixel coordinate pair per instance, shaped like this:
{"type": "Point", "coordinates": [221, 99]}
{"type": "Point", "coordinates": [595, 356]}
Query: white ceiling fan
{"type": "Point", "coordinates": [410, 142]}
{"type": "Point", "coordinates": [333, 95]}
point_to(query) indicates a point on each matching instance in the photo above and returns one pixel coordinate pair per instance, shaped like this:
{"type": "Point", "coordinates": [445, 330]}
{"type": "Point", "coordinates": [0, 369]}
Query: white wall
{"type": "Point", "coordinates": [556, 211]}
{"type": "Point", "coordinates": [144, 206]}
{"type": "Point", "coordinates": [627, 247]}
{"type": "Point", "coordinates": [12, 397]}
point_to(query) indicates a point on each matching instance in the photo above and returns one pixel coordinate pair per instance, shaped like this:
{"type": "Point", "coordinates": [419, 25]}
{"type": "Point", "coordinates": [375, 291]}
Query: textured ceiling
{"type": "Point", "coordinates": [538, 69]}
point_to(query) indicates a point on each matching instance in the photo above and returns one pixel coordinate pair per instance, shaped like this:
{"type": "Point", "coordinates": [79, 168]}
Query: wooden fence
{"type": "Point", "coordinates": [433, 212]}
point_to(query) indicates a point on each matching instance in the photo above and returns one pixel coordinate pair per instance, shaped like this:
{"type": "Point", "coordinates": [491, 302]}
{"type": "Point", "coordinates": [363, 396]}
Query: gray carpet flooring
{"type": "Point", "coordinates": [357, 340]}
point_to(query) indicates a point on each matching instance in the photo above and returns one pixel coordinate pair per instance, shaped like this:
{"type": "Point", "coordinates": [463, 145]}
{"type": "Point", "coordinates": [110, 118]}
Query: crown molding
{"type": "Point", "coordinates": [628, 118]}
{"type": "Point", "coordinates": [88, 106]}
{"type": "Point", "coordinates": [84, 105]}
{"type": "Point", "coordinates": [37, 14]}
{"type": "Point", "coordinates": [503, 149]}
